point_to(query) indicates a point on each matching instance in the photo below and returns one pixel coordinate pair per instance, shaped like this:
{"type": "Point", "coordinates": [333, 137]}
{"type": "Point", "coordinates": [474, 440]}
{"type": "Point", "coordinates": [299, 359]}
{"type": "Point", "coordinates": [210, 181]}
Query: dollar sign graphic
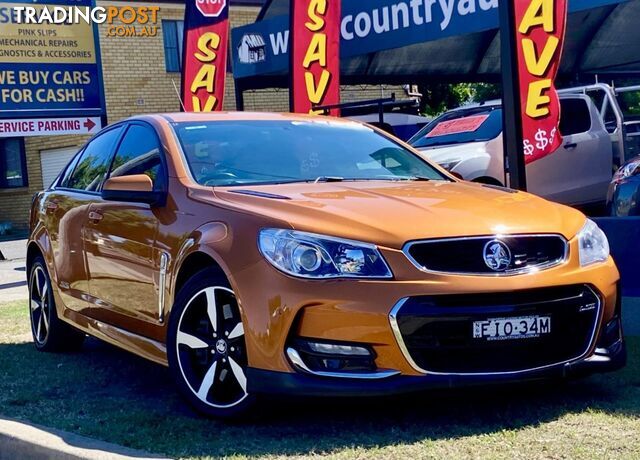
{"type": "Point", "coordinates": [541, 137]}
{"type": "Point", "coordinates": [528, 148]}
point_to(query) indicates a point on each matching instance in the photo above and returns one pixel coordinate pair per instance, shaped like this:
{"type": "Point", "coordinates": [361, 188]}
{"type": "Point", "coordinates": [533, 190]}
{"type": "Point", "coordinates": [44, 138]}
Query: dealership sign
{"type": "Point", "coordinates": [48, 69]}
{"type": "Point", "coordinates": [25, 127]}
{"type": "Point", "coordinates": [540, 27]}
{"type": "Point", "coordinates": [206, 38]}
{"type": "Point", "coordinates": [377, 25]}
{"type": "Point", "coordinates": [315, 60]}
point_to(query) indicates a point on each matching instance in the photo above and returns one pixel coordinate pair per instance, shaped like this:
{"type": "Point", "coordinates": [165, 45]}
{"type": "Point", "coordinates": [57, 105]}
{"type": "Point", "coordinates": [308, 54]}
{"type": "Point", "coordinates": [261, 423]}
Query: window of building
{"type": "Point", "coordinates": [13, 164]}
{"type": "Point", "coordinates": [94, 162]}
{"type": "Point", "coordinates": [139, 153]}
{"type": "Point", "coordinates": [172, 33]}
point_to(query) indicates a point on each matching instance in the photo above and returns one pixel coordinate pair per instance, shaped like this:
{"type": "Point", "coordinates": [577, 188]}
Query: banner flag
{"type": "Point", "coordinates": [540, 29]}
{"type": "Point", "coordinates": [315, 60]}
{"type": "Point", "coordinates": [204, 59]}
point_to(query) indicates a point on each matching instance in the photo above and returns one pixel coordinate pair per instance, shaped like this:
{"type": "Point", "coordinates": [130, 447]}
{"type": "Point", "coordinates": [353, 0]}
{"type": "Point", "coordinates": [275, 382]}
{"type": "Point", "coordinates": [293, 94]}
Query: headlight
{"type": "Point", "coordinates": [593, 243]}
{"type": "Point", "coordinates": [308, 255]}
{"type": "Point", "coordinates": [449, 164]}
{"type": "Point", "coordinates": [630, 169]}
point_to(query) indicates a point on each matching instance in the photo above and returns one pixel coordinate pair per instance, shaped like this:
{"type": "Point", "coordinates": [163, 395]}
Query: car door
{"type": "Point", "coordinates": [580, 170]}
{"type": "Point", "coordinates": [119, 239]}
{"type": "Point", "coordinates": [65, 209]}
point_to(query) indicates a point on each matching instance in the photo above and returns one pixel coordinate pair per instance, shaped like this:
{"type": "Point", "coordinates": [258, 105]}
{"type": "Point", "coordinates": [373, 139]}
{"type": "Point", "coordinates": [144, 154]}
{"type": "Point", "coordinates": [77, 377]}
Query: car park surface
{"type": "Point", "coordinates": [246, 251]}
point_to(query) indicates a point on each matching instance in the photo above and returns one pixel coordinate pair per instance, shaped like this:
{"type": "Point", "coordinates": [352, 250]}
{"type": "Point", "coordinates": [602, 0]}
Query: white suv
{"type": "Point", "coordinates": [577, 173]}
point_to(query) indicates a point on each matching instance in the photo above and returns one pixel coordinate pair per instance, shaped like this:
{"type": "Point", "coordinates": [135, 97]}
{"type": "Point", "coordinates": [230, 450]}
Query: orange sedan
{"type": "Point", "coordinates": [264, 253]}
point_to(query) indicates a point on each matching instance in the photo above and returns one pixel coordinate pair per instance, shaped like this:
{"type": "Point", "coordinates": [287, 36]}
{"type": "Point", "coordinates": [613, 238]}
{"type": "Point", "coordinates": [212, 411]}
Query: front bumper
{"type": "Point", "coordinates": [284, 383]}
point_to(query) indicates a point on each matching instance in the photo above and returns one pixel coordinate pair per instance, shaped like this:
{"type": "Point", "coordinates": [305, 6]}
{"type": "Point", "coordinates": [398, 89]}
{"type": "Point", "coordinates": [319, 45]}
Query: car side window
{"type": "Point", "coordinates": [574, 116]}
{"type": "Point", "coordinates": [140, 153]}
{"type": "Point", "coordinates": [66, 176]}
{"type": "Point", "coordinates": [93, 164]}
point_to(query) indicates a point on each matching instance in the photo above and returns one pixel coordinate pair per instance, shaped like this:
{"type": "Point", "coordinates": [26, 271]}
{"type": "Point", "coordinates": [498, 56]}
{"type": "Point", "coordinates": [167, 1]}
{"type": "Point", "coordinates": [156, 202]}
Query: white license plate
{"type": "Point", "coordinates": [521, 327]}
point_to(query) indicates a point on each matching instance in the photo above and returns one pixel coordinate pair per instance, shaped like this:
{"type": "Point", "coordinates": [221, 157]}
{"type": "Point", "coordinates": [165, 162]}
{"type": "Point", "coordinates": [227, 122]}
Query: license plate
{"type": "Point", "coordinates": [521, 327]}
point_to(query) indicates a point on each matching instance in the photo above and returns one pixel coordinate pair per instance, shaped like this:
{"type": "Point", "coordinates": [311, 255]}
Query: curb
{"type": "Point", "coordinates": [28, 441]}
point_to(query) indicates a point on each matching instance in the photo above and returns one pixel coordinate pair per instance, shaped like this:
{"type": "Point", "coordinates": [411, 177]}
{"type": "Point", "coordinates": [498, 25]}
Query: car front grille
{"type": "Point", "coordinates": [437, 336]}
{"type": "Point", "coordinates": [467, 255]}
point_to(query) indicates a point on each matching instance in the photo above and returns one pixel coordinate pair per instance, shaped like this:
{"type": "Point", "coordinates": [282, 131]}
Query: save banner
{"type": "Point", "coordinates": [540, 28]}
{"type": "Point", "coordinates": [48, 69]}
{"type": "Point", "coordinates": [315, 60]}
{"type": "Point", "coordinates": [206, 38]}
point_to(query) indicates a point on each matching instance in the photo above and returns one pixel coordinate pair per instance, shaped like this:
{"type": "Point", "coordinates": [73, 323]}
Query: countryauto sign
{"type": "Point", "coordinates": [211, 8]}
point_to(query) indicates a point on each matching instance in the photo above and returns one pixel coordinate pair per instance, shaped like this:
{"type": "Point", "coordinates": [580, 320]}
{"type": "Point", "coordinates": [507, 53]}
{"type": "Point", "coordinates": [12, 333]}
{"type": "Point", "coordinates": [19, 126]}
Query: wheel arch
{"type": "Point", "coordinates": [40, 245]}
{"type": "Point", "coordinates": [191, 264]}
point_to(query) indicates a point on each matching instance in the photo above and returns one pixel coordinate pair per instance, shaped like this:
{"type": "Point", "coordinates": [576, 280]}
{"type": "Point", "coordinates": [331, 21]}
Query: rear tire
{"type": "Point", "coordinates": [206, 347]}
{"type": "Point", "coordinates": [50, 334]}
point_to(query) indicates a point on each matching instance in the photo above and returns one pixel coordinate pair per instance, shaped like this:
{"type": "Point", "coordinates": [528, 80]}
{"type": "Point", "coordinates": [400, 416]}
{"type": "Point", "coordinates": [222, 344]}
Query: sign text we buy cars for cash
{"type": "Point", "coordinates": [48, 69]}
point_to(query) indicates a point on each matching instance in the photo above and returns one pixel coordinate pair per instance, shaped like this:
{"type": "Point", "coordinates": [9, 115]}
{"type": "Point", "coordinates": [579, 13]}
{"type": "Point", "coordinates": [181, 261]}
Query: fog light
{"type": "Point", "coordinates": [334, 349]}
{"type": "Point", "coordinates": [610, 334]}
{"type": "Point", "coordinates": [314, 356]}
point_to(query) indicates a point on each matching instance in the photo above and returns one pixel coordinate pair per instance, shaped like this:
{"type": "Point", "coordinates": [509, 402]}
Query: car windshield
{"type": "Point", "coordinates": [227, 153]}
{"type": "Point", "coordinates": [460, 127]}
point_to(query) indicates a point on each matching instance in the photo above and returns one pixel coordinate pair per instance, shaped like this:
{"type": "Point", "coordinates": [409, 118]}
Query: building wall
{"type": "Point", "coordinates": [135, 82]}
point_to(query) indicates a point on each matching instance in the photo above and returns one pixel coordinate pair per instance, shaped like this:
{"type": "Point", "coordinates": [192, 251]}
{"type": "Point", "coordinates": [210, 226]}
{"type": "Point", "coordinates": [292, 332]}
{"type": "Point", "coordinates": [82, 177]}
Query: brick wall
{"type": "Point", "coordinates": [135, 82]}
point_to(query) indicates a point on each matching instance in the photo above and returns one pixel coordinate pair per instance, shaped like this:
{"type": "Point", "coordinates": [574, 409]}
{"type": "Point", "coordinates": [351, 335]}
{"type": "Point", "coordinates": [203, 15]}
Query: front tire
{"type": "Point", "coordinates": [49, 332]}
{"type": "Point", "coordinates": [206, 347]}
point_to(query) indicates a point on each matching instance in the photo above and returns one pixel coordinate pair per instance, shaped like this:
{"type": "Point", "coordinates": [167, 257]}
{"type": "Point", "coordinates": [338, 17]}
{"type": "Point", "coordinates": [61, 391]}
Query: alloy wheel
{"type": "Point", "coordinates": [211, 352]}
{"type": "Point", "coordinates": [40, 306]}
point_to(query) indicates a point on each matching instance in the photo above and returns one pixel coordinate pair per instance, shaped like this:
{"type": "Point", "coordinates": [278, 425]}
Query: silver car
{"type": "Point", "coordinates": [578, 173]}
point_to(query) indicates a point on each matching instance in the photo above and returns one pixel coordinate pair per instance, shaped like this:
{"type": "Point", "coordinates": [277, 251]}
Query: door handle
{"type": "Point", "coordinates": [52, 206]}
{"type": "Point", "coordinates": [570, 146]}
{"type": "Point", "coordinates": [95, 216]}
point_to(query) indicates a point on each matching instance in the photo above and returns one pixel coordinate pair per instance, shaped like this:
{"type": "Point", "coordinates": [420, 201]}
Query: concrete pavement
{"type": "Point", "coordinates": [19, 440]}
{"type": "Point", "coordinates": [13, 278]}
{"type": "Point", "coordinates": [12, 250]}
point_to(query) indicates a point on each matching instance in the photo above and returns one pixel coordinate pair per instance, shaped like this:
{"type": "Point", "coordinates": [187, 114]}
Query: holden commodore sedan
{"type": "Point", "coordinates": [256, 254]}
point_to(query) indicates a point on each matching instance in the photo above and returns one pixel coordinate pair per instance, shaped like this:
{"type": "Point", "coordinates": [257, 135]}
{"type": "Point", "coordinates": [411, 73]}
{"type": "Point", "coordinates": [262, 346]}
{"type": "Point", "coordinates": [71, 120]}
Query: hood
{"type": "Point", "coordinates": [392, 213]}
{"type": "Point", "coordinates": [447, 153]}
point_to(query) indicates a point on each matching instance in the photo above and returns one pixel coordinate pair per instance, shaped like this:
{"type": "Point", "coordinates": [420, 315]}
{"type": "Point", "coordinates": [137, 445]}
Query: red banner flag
{"type": "Point", "coordinates": [540, 28]}
{"type": "Point", "coordinates": [204, 69]}
{"type": "Point", "coordinates": [315, 56]}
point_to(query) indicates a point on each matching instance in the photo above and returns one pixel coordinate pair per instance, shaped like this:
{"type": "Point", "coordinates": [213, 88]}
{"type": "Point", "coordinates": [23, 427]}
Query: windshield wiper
{"type": "Point", "coordinates": [328, 179]}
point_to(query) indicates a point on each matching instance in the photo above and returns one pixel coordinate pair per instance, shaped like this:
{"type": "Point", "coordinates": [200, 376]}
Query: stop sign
{"type": "Point", "coordinates": [211, 8]}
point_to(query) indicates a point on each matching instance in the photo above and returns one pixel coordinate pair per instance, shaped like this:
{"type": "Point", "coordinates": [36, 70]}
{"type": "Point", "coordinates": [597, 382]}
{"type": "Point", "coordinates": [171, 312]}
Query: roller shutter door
{"type": "Point", "coordinates": [53, 161]}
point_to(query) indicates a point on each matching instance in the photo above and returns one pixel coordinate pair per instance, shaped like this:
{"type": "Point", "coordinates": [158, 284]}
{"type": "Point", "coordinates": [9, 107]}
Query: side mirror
{"type": "Point", "coordinates": [137, 188]}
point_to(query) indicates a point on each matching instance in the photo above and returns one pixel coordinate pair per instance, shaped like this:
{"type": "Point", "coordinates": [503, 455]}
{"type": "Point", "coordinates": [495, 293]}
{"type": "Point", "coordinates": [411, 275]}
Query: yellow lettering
{"type": "Point", "coordinates": [317, 22]}
{"type": "Point", "coordinates": [208, 44]}
{"type": "Point", "coordinates": [538, 66]}
{"type": "Point", "coordinates": [537, 101]}
{"type": "Point", "coordinates": [211, 103]}
{"type": "Point", "coordinates": [539, 13]}
{"type": "Point", "coordinates": [317, 51]}
{"type": "Point", "coordinates": [316, 93]}
{"type": "Point", "coordinates": [205, 78]}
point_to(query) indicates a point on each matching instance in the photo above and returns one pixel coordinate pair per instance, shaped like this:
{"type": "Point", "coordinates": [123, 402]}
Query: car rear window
{"type": "Point", "coordinates": [226, 153]}
{"type": "Point", "coordinates": [460, 127]}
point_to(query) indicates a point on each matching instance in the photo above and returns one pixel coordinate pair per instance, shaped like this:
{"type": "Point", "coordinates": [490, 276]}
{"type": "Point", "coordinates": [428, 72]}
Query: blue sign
{"type": "Point", "coordinates": [375, 25]}
{"type": "Point", "coordinates": [48, 69]}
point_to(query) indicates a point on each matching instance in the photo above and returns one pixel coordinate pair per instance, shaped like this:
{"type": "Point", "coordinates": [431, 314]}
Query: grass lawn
{"type": "Point", "coordinates": [110, 395]}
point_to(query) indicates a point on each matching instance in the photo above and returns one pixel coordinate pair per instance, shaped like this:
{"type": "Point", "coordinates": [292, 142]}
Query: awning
{"type": "Point", "coordinates": [394, 41]}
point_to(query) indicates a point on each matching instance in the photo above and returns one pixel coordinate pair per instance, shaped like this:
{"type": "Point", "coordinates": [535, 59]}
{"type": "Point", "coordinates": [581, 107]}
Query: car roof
{"type": "Point", "coordinates": [185, 117]}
